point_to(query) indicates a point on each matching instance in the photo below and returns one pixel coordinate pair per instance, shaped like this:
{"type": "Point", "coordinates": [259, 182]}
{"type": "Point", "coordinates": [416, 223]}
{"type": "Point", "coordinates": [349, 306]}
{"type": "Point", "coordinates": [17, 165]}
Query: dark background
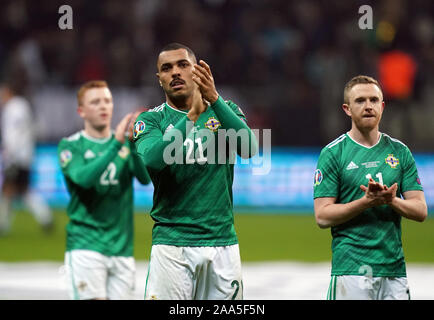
{"type": "Point", "coordinates": [284, 62]}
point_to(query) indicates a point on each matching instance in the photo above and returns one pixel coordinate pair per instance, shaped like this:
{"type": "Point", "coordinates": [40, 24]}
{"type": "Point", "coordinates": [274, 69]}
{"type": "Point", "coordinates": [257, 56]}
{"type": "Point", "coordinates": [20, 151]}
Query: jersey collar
{"type": "Point", "coordinates": [97, 140]}
{"type": "Point", "coordinates": [379, 139]}
{"type": "Point", "coordinates": [167, 105]}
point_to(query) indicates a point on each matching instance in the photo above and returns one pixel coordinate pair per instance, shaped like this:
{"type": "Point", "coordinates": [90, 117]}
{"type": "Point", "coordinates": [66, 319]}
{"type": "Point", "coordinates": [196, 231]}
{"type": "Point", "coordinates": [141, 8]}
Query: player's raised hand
{"type": "Point", "coordinates": [197, 106]}
{"type": "Point", "coordinates": [203, 77]}
{"type": "Point", "coordinates": [122, 128]}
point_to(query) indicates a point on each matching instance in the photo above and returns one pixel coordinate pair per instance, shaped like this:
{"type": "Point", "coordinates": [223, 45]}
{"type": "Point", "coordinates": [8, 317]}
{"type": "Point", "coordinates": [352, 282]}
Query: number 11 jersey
{"type": "Point", "coordinates": [370, 243]}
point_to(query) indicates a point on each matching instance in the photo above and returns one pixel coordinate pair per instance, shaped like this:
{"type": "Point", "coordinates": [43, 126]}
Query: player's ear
{"type": "Point", "coordinates": [159, 81]}
{"type": "Point", "coordinates": [80, 111]}
{"type": "Point", "coordinates": [346, 109]}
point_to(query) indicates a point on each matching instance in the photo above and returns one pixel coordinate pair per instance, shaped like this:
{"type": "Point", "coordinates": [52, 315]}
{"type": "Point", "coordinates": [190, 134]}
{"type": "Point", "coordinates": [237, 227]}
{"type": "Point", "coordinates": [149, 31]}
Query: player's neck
{"type": "Point", "coordinates": [183, 103]}
{"type": "Point", "coordinates": [366, 138]}
{"type": "Point", "coordinates": [96, 132]}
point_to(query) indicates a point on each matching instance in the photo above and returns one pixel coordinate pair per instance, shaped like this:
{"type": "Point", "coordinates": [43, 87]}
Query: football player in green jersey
{"type": "Point", "coordinates": [364, 183]}
{"type": "Point", "coordinates": [195, 252]}
{"type": "Point", "coordinates": [99, 167]}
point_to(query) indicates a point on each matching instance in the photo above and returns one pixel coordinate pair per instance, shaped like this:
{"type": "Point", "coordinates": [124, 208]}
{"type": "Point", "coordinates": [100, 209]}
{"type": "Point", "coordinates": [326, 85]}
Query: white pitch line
{"type": "Point", "coordinates": [262, 281]}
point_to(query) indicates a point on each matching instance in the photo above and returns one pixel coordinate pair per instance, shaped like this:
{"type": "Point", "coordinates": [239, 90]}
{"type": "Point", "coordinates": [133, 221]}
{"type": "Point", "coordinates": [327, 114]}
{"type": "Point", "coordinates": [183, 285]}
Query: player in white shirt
{"type": "Point", "coordinates": [17, 149]}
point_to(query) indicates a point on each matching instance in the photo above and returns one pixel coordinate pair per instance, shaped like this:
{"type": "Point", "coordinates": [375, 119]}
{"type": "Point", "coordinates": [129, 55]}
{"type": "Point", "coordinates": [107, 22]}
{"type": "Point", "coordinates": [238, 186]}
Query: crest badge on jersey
{"type": "Point", "coordinates": [318, 177]}
{"type": "Point", "coordinates": [213, 124]}
{"type": "Point", "coordinates": [139, 127]}
{"type": "Point", "coordinates": [65, 158]}
{"type": "Point", "coordinates": [392, 161]}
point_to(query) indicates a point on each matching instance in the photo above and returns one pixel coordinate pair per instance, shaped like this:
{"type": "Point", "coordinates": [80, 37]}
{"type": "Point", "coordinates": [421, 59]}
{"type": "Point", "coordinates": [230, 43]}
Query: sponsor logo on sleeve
{"type": "Point", "coordinates": [65, 158]}
{"type": "Point", "coordinates": [139, 128]}
{"type": "Point", "coordinates": [318, 177]}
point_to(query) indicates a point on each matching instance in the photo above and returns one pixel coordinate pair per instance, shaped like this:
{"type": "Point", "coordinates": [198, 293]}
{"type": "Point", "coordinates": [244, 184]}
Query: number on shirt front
{"type": "Point", "coordinates": [190, 147]}
{"type": "Point", "coordinates": [378, 175]}
{"type": "Point", "coordinates": [108, 176]}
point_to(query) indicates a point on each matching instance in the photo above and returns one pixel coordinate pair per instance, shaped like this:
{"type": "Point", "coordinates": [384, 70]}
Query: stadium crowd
{"type": "Point", "coordinates": [286, 60]}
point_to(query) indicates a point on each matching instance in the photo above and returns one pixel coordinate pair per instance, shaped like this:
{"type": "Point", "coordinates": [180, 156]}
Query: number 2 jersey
{"type": "Point", "coordinates": [370, 243]}
{"type": "Point", "coordinates": [99, 178]}
{"type": "Point", "coordinates": [192, 202]}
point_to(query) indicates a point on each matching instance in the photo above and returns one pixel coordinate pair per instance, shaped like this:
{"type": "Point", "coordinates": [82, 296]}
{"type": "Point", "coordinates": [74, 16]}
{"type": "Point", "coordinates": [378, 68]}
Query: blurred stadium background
{"type": "Point", "coordinates": [284, 62]}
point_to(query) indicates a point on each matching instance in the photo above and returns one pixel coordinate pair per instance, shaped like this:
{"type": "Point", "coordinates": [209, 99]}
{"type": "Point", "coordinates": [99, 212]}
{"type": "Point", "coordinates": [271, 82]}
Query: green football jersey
{"type": "Point", "coordinates": [99, 178]}
{"type": "Point", "coordinates": [370, 243]}
{"type": "Point", "coordinates": [192, 201]}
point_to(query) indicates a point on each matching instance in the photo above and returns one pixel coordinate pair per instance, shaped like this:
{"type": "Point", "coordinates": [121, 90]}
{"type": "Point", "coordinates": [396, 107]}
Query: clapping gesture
{"type": "Point", "coordinates": [379, 194]}
{"type": "Point", "coordinates": [121, 131]}
{"type": "Point", "coordinates": [203, 77]}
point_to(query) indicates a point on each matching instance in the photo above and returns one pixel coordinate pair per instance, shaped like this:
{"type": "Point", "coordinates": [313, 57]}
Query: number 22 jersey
{"type": "Point", "coordinates": [99, 177]}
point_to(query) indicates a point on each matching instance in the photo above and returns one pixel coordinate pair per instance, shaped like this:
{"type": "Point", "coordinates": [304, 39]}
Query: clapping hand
{"type": "Point", "coordinates": [122, 128]}
{"type": "Point", "coordinates": [203, 77]}
{"type": "Point", "coordinates": [379, 194]}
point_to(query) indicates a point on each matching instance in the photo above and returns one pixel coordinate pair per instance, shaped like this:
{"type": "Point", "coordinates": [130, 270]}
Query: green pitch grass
{"type": "Point", "coordinates": [261, 237]}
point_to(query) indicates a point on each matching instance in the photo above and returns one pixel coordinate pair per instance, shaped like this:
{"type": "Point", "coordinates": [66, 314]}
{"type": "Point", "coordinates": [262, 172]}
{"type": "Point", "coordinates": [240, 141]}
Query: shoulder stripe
{"type": "Point", "coordinates": [74, 136]}
{"type": "Point", "coordinates": [157, 109]}
{"type": "Point", "coordinates": [395, 140]}
{"type": "Point", "coordinates": [336, 141]}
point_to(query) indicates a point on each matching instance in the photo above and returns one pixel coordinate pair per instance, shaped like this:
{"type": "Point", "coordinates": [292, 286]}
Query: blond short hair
{"type": "Point", "coordinates": [360, 79]}
{"type": "Point", "coordinates": [89, 85]}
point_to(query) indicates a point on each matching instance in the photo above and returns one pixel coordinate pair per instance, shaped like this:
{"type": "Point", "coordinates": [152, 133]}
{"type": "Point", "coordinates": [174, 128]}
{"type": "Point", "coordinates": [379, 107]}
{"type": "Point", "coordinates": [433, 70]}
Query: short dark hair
{"type": "Point", "coordinates": [360, 79]}
{"type": "Point", "coordinates": [176, 46]}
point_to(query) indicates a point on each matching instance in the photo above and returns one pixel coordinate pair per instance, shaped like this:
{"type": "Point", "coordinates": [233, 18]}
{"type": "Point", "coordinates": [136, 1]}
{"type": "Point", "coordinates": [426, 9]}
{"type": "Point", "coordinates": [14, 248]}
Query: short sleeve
{"type": "Point", "coordinates": [410, 177]}
{"type": "Point", "coordinates": [67, 157]}
{"type": "Point", "coordinates": [326, 177]}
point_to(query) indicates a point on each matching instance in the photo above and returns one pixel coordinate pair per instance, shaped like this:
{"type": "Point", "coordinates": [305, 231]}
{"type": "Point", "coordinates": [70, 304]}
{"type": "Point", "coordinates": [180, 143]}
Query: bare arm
{"type": "Point", "coordinates": [412, 207]}
{"type": "Point", "coordinates": [328, 213]}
